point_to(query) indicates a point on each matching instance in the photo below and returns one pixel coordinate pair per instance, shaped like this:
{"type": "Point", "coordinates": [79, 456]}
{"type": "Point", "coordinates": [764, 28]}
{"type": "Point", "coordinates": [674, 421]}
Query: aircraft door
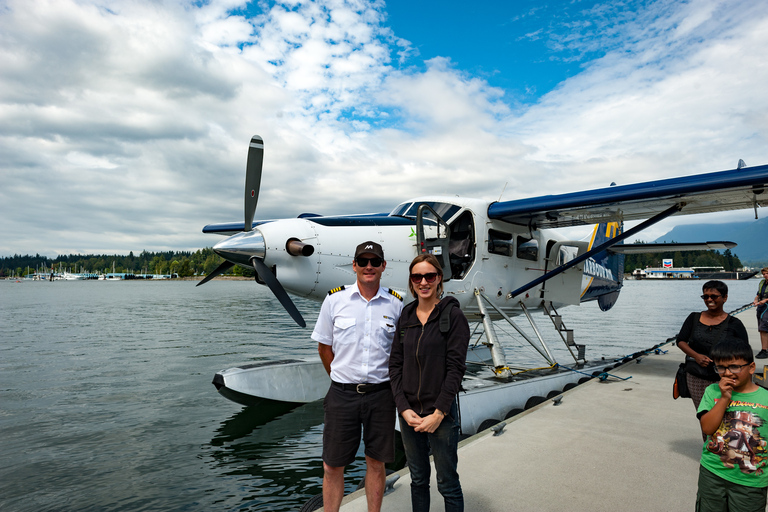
{"type": "Point", "coordinates": [461, 247]}
{"type": "Point", "coordinates": [564, 288]}
{"type": "Point", "coordinates": [433, 237]}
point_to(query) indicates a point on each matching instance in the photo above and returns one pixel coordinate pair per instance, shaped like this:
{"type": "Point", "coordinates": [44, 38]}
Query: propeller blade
{"type": "Point", "coordinates": [269, 278]}
{"type": "Point", "coordinates": [219, 270]}
{"type": "Point", "coordinates": [253, 179]}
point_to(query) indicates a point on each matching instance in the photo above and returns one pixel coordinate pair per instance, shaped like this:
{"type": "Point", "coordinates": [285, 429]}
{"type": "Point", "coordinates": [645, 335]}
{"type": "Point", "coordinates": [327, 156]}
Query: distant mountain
{"type": "Point", "coordinates": [752, 238]}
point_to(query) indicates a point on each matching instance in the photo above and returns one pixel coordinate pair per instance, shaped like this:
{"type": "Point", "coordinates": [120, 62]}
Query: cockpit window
{"type": "Point", "coordinates": [527, 248]}
{"type": "Point", "coordinates": [445, 210]}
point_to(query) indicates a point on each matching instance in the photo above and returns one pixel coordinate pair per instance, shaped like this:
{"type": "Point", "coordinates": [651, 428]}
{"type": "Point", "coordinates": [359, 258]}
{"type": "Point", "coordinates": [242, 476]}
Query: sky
{"type": "Point", "coordinates": [124, 125]}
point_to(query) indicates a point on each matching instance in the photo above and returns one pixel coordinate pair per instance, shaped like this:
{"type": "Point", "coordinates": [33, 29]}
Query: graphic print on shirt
{"type": "Point", "coordinates": [738, 443]}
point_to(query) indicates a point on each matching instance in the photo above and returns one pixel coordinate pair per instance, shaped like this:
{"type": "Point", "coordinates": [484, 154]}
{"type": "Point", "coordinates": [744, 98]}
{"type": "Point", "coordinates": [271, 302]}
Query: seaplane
{"type": "Point", "coordinates": [503, 260]}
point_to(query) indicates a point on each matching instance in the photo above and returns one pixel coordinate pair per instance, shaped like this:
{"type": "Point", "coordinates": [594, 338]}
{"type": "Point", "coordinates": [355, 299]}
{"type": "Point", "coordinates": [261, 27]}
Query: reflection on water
{"type": "Point", "coordinates": [277, 453]}
{"type": "Point", "coordinates": [282, 453]}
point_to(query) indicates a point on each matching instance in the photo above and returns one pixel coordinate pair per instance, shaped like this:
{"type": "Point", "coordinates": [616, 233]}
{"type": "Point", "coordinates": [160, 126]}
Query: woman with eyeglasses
{"type": "Point", "coordinates": [426, 366]}
{"type": "Point", "coordinates": [702, 331]}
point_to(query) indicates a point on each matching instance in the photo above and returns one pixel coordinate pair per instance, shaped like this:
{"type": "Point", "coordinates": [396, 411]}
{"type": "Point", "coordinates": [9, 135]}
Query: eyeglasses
{"type": "Point", "coordinates": [430, 277]}
{"type": "Point", "coordinates": [713, 297]}
{"type": "Point", "coordinates": [733, 368]}
{"type": "Point", "coordinates": [363, 262]}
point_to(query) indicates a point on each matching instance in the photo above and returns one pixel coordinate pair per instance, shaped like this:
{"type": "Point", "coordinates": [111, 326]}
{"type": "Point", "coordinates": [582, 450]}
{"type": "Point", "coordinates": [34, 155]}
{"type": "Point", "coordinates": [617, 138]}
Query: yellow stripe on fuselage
{"type": "Point", "coordinates": [594, 234]}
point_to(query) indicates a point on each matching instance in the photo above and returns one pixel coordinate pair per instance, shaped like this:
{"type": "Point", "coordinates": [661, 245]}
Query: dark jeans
{"type": "Point", "coordinates": [444, 442]}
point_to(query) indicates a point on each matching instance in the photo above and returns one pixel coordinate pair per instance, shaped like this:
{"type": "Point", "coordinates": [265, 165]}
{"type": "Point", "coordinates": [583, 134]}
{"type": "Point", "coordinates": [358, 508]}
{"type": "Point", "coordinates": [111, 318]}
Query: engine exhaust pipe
{"type": "Point", "coordinates": [296, 247]}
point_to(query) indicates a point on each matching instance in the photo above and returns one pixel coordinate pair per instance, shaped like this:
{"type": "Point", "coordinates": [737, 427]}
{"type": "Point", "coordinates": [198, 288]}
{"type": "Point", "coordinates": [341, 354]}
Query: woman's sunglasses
{"type": "Point", "coordinates": [363, 262]}
{"type": "Point", "coordinates": [430, 277]}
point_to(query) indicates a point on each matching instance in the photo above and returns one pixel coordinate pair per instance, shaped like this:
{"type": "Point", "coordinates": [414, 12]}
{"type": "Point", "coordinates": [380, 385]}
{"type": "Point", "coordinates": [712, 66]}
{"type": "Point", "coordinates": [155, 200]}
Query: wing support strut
{"type": "Point", "coordinates": [613, 241]}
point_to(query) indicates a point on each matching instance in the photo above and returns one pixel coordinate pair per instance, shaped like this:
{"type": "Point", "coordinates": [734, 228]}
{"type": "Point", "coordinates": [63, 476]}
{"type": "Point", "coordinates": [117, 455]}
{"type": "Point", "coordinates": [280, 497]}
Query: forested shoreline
{"type": "Point", "coordinates": [685, 259]}
{"type": "Point", "coordinates": [183, 263]}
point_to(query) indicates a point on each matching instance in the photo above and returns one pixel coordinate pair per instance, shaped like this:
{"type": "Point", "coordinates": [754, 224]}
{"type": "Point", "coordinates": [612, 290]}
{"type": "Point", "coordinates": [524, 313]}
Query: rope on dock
{"type": "Point", "coordinates": [602, 376]}
{"type": "Point", "coordinates": [741, 309]}
{"type": "Point", "coordinates": [552, 367]}
{"type": "Point", "coordinates": [655, 350]}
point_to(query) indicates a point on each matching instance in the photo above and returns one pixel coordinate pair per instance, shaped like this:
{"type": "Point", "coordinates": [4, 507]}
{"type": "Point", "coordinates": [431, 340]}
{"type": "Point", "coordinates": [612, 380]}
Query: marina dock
{"type": "Point", "coordinates": [609, 445]}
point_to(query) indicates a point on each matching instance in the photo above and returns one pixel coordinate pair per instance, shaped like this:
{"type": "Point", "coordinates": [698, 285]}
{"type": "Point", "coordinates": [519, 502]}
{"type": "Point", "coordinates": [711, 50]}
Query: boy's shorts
{"type": "Point", "coordinates": [345, 412]}
{"type": "Point", "coordinates": [716, 494]}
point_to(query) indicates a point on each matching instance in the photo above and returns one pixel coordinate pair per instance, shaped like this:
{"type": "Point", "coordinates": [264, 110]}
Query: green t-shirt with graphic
{"type": "Point", "coordinates": [737, 451]}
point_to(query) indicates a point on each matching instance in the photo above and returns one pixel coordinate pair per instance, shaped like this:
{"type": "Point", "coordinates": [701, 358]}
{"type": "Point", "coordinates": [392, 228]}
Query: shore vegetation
{"type": "Point", "coordinates": [183, 263]}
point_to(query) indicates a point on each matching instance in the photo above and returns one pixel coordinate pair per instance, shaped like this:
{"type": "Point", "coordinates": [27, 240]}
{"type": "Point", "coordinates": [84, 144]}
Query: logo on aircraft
{"type": "Point", "coordinates": [594, 269]}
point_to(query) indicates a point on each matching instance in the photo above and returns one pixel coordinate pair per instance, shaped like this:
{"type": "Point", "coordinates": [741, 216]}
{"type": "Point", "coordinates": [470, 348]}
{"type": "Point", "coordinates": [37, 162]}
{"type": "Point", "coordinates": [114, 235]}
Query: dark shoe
{"type": "Point", "coordinates": [763, 354]}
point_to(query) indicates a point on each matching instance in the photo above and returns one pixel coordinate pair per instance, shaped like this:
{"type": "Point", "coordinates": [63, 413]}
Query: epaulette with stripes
{"type": "Point", "coordinates": [394, 293]}
{"type": "Point", "coordinates": [334, 290]}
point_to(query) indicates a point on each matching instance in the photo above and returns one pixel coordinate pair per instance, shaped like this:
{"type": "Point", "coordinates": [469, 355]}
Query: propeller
{"type": "Point", "coordinates": [253, 179]}
{"type": "Point", "coordinates": [248, 247]}
{"type": "Point", "coordinates": [269, 278]}
{"type": "Point", "coordinates": [219, 270]}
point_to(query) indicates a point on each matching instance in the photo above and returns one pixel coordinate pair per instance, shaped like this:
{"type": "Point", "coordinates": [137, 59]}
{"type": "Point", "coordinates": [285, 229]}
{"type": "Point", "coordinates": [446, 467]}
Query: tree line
{"type": "Point", "coordinates": [688, 259]}
{"type": "Point", "coordinates": [182, 263]}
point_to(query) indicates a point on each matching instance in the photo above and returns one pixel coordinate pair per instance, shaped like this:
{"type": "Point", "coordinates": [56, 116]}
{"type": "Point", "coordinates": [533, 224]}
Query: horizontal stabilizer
{"type": "Point", "coordinates": [653, 248]}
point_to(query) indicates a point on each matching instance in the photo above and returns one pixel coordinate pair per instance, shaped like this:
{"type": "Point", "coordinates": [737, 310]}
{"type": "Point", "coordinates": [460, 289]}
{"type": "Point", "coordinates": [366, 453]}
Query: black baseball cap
{"type": "Point", "coordinates": [371, 247]}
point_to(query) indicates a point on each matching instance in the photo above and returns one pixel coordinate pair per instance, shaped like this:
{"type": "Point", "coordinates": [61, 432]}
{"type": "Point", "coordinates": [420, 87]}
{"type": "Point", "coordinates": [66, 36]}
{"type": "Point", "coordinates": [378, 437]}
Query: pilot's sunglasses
{"type": "Point", "coordinates": [430, 277]}
{"type": "Point", "coordinates": [363, 262]}
{"type": "Point", "coordinates": [713, 297]}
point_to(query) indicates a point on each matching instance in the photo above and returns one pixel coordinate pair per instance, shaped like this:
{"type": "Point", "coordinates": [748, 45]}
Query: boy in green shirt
{"type": "Point", "coordinates": [734, 415]}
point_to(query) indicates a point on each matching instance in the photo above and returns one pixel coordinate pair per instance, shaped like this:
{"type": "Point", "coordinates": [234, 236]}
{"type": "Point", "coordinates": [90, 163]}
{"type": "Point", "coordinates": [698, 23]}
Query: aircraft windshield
{"type": "Point", "coordinates": [445, 210]}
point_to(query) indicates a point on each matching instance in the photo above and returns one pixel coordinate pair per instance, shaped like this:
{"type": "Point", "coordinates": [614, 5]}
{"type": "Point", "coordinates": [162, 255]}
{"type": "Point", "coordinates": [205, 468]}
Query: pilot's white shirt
{"type": "Point", "coordinates": [360, 333]}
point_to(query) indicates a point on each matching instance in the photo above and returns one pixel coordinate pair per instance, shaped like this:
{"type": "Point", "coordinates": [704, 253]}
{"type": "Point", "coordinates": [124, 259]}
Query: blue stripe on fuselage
{"type": "Point", "coordinates": [376, 219]}
{"type": "Point", "coordinates": [379, 219]}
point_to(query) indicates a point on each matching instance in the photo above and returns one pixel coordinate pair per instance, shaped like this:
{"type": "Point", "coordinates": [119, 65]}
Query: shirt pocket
{"type": "Point", "coordinates": [388, 333]}
{"type": "Point", "coordinates": [344, 330]}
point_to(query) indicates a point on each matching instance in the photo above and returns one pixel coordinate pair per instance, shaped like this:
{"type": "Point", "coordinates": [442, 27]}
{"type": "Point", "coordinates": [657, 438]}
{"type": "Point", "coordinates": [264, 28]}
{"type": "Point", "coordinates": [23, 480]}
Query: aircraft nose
{"type": "Point", "coordinates": [242, 247]}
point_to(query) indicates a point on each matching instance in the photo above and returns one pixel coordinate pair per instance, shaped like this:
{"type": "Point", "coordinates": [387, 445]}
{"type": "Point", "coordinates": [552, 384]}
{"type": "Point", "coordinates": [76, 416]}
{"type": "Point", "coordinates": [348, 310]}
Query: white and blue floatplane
{"type": "Point", "coordinates": [500, 259]}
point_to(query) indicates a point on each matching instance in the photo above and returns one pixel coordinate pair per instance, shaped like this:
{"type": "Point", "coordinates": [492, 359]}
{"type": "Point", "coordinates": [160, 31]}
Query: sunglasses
{"type": "Point", "coordinates": [363, 262]}
{"type": "Point", "coordinates": [713, 297]}
{"type": "Point", "coordinates": [734, 368]}
{"type": "Point", "coordinates": [430, 277]}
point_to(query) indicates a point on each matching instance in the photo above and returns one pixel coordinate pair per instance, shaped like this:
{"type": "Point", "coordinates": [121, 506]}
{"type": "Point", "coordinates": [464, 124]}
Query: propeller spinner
{"type": "Point", "coordinates": [248, 248]}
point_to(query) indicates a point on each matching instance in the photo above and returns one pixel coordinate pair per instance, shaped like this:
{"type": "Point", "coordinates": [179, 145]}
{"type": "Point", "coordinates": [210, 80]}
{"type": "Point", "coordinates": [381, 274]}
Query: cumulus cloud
{"type": "Point", "coordinates": [124, 125]}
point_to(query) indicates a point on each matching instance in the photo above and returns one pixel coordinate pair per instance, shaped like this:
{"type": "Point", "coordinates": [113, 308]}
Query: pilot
{"type": "Point", "coordinates": [354, 332]}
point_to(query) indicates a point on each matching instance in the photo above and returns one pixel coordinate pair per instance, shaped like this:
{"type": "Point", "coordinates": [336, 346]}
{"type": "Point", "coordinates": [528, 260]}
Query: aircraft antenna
{"type": "Point", "coordinates": [502, 190]}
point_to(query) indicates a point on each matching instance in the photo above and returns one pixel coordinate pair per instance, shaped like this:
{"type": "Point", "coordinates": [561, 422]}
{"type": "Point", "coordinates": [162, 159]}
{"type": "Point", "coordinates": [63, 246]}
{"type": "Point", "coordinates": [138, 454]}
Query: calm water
{"type": "Point", "coordinates": [107, 403]}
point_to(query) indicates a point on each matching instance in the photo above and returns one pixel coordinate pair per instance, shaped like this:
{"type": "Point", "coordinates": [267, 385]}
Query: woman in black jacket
{"type": "Point", "coordinates": [702, 331]}
{"type": "Point", "coordinates": [426, 367]}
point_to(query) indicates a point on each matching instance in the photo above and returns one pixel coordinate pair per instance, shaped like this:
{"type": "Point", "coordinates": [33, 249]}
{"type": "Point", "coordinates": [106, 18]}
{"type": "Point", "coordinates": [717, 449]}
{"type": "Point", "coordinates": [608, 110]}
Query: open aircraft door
{"type": "Point", "coordinates": [433, 237]}
{"type": "Point", "coordinates": [565, 288]}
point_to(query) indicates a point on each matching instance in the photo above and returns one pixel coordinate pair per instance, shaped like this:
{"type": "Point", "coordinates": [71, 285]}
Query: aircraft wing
{"type": "Point", "coordinates": [702, 193]}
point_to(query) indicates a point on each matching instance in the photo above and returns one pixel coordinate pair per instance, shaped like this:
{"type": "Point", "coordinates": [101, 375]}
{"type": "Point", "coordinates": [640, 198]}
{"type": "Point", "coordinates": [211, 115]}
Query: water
{"type": "Point", "coordinates": [106, 400]}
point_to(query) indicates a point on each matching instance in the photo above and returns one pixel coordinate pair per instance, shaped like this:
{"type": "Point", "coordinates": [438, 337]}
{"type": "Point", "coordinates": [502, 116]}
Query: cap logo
{"type": "Point", "coordinates": [369, 247]}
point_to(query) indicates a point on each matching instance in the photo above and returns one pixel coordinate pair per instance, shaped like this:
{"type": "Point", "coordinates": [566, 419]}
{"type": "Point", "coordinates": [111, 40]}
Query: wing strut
{"type": "Point", "coordinates": [613, 241]}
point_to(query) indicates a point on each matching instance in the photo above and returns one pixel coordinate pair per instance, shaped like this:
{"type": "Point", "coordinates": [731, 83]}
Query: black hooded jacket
{"type": "Point", "coordinates": [425, 366]}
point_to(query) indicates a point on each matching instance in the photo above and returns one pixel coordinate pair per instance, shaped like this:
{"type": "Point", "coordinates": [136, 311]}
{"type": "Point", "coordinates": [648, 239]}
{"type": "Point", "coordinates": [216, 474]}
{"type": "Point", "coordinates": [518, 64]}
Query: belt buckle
{"type": "Point", "coordinates": [357, 388]}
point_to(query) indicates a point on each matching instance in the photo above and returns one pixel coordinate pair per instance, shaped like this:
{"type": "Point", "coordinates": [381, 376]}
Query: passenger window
{"type": "Point", "coordinates": [500, 242]}
{"type": "Point", "coordinates": [527, 248]}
